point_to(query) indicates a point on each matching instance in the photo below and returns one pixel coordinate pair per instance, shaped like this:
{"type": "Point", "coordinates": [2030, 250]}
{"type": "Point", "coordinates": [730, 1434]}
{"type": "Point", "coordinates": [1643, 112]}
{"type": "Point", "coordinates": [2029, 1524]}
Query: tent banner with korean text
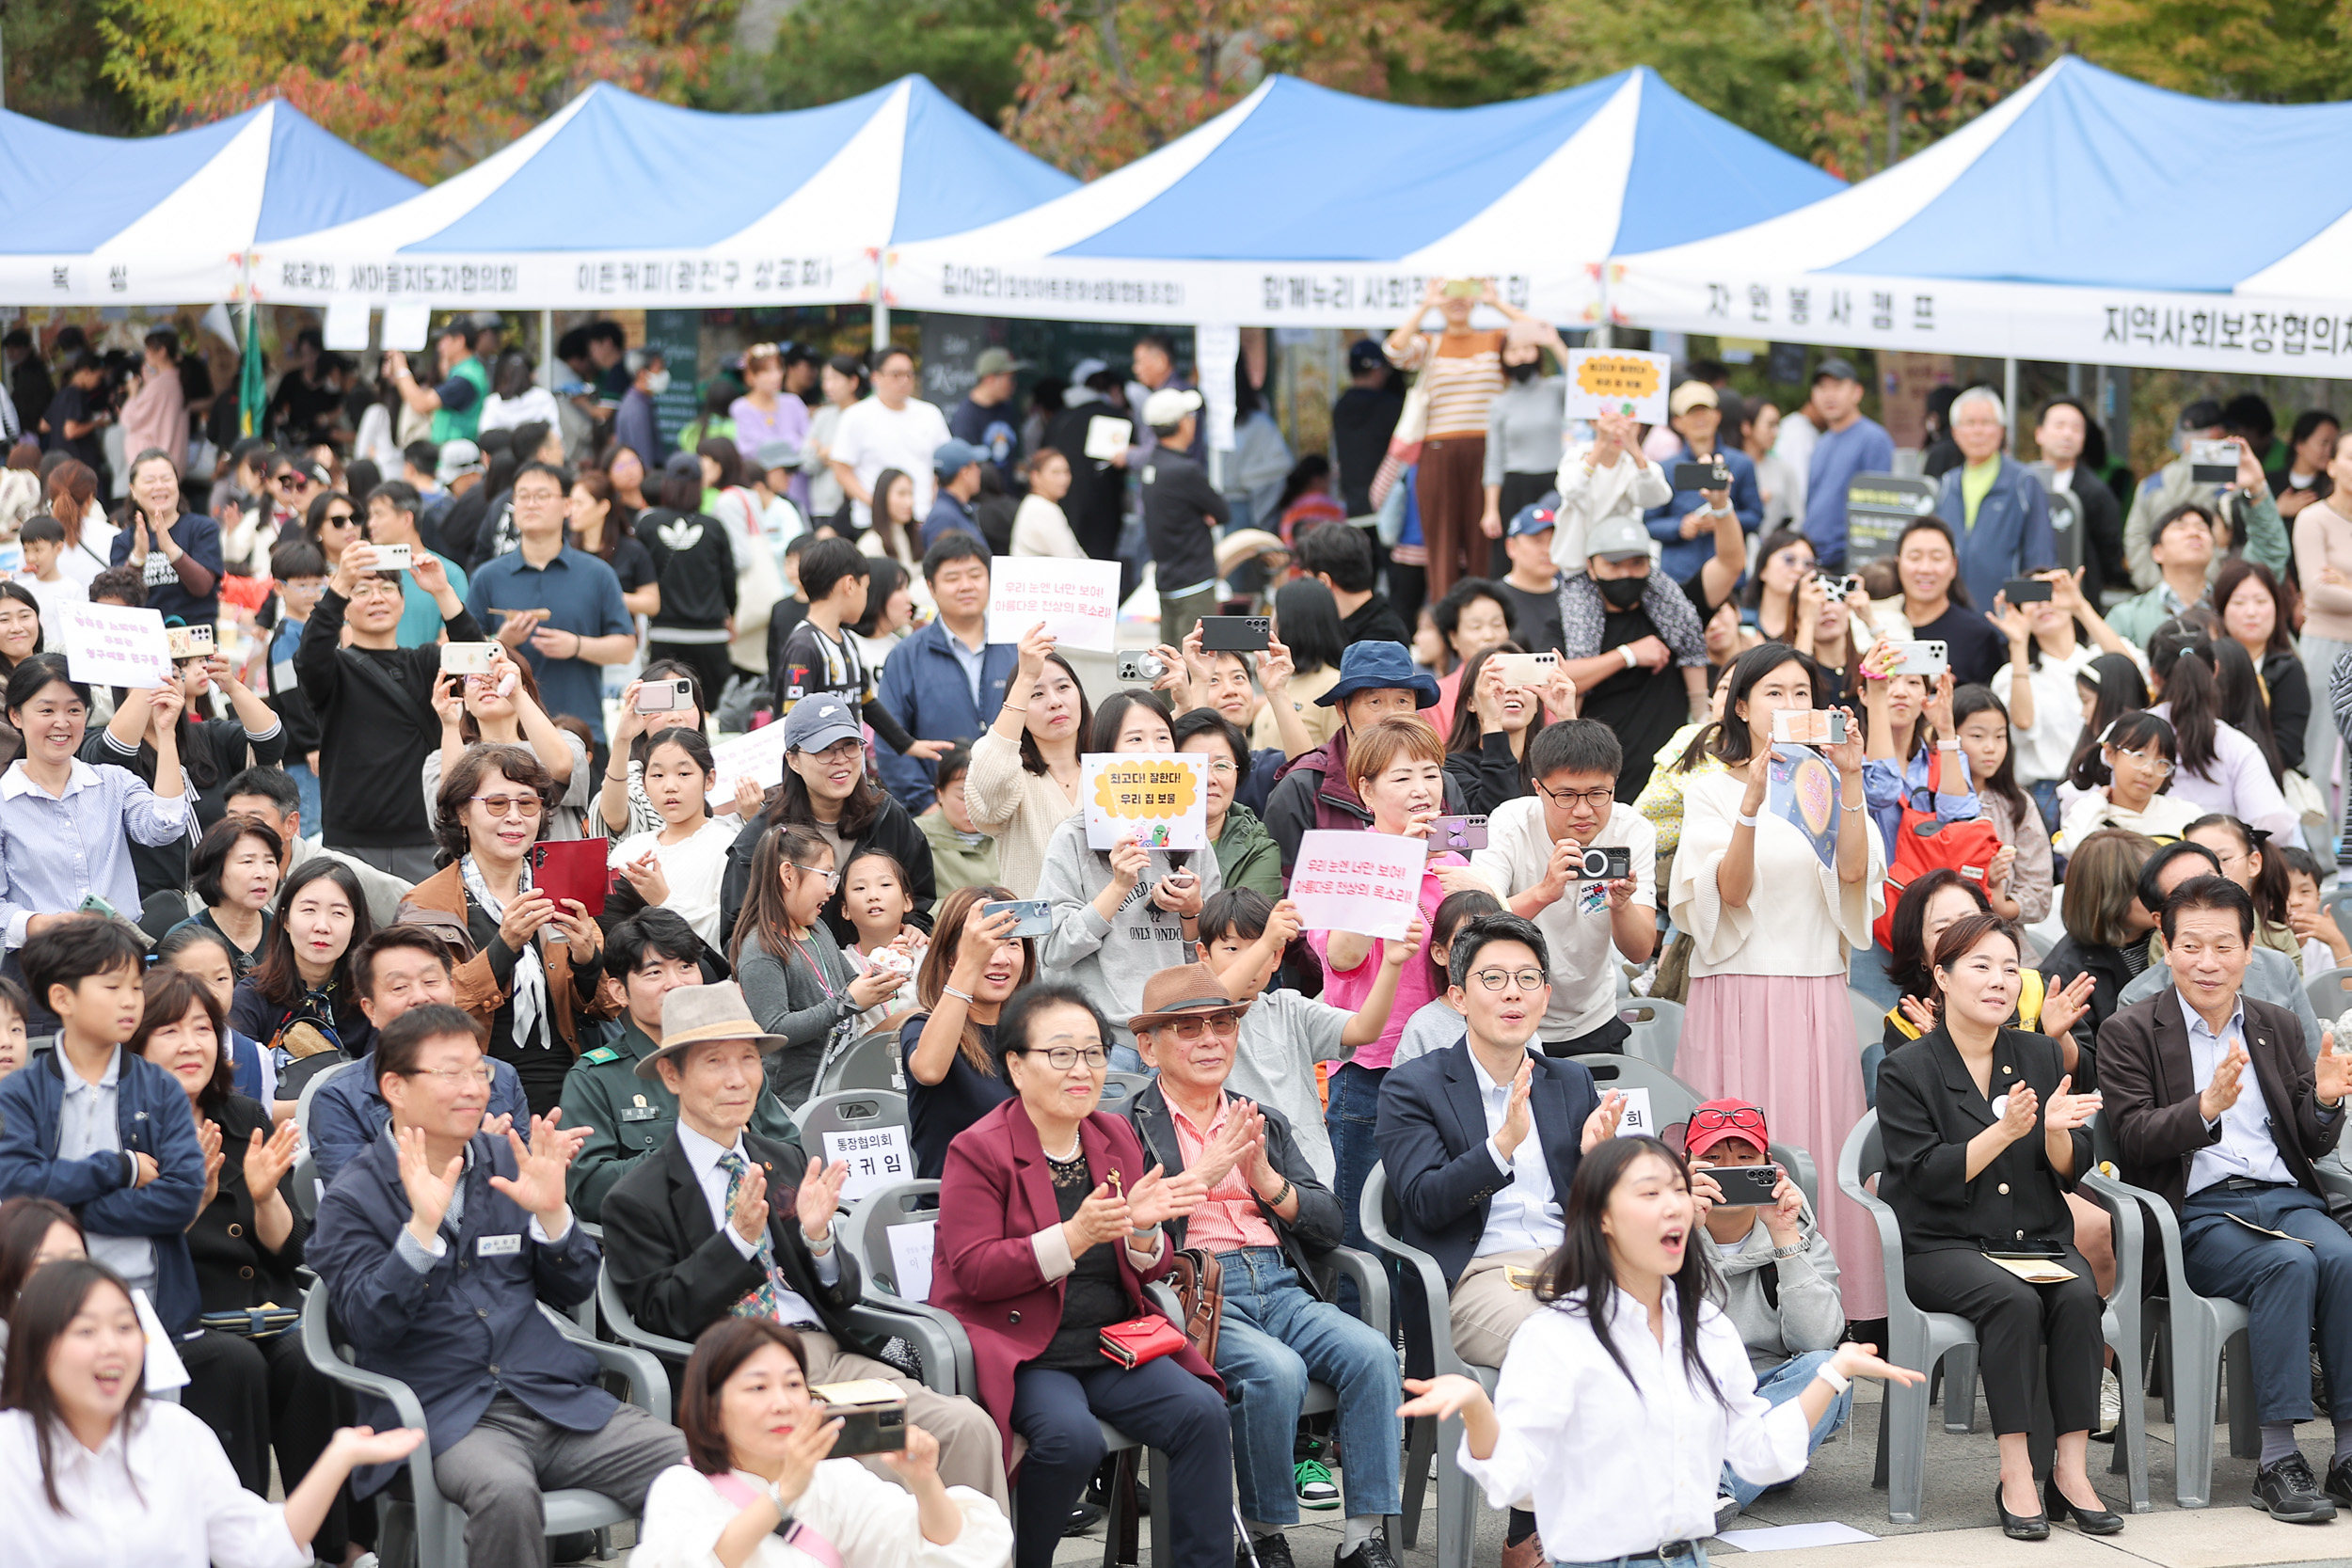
{"type": "Point", "coordinates": [1368, 883]}
{"type": "Point", "coordinates": [1078, 601]}
{"type": "Point", "coordinates": [1161, 802]}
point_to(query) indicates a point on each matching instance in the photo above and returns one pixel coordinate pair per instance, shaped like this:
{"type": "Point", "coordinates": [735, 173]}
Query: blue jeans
{"type": "Point", "coordinates": [306, 786]}
{"type": "Point", "coordinates": [1275, 1337]}
{"type": "Point", "coordinates": [1778, 1387]}
{"type": "Point", "coordinates": [1353, 1115]}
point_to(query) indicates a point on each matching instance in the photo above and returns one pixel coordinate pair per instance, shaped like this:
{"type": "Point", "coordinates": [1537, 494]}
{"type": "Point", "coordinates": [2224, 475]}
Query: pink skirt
{"type": "Point", "coordinates": [1788, 1044]}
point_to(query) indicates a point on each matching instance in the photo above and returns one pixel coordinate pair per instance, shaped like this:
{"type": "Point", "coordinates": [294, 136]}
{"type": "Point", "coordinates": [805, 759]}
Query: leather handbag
{"type": "Point", "coordinates": [1140, 1339]}
{"type": "Point", "coordinates": [1199, 1281]}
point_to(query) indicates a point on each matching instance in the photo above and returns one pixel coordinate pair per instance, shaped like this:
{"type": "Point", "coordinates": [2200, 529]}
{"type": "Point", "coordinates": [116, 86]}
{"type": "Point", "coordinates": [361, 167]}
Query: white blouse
{"type": "Point", "coordinates": [164, 1497]}
{"type": "Point", "coordinates": [1619, 1465]}
{"type": "Point", "coordinates": [1813, 920]}
{"type": "Point", "coordinates": [870, 1522]}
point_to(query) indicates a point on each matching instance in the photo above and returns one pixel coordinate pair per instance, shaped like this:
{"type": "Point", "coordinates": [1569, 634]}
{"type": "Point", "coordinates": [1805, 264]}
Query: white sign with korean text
{"type": "Point", "coordinates": [876, 1157]}
{"type": "Point", "coordinates": [758, 756]}
{"type": "Point", "coordinates": [1078, 601]}
{"type": "Point", "coordinates": [1369, 883]}
{"type": "Point", "coordinates": [115, 645]}
{"type": "Point", "coordinates": [1636, 1120]}
{"type": "Point", "coordinates": [911, 1258]}
{"type": "Point", "coordinates": [1618, 381]}
{"type": "Point", "coordinates": [1162, 802]}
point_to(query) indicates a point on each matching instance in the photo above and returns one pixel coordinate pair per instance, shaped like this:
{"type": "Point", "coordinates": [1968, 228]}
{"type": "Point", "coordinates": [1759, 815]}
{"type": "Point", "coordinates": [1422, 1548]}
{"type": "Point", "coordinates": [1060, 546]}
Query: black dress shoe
{"type": "Point", "coordinates": [2091, 1521]}
{"type": "Point", "coordinates": [2286, 1491]}
{"type": "Point", "coordinates": [2340, 1481]}
{"type": "Point", "coordinates": [2020, 1526]}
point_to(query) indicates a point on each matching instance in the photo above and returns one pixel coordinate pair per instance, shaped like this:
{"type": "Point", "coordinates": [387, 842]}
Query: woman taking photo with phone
{"type": "Point", "coordinates": [502, 707]}
{"type": "Point", "coordinates": [969, 972]}
{"type": "Point", "coordinates": [2047, 656]}
{"type": "Point", "coordinates": [1627, 1391]}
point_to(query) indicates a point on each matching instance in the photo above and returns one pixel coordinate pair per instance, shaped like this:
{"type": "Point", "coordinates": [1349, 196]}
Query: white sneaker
{"type": "Point", "coordinates": [1726, 1510]}
{"type": "Point", "coordinates": [2110, 1401]}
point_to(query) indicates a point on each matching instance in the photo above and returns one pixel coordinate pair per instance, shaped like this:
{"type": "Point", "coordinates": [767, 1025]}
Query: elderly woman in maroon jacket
{"type": "Point", "coordinates": [1049, 1225]}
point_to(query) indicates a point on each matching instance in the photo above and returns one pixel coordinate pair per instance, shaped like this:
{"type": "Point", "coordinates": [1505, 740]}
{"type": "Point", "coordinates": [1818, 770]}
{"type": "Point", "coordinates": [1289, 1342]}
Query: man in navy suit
{"type": "Point", "coordinates": [1481, 1140]}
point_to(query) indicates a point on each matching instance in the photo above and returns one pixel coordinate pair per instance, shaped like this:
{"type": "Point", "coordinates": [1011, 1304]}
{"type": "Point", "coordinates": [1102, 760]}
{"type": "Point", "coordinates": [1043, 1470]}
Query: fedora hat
{"type": "Point", "coordinates": [1187, 989]}
{"type": "Point", "coordinates": [697, 1014]}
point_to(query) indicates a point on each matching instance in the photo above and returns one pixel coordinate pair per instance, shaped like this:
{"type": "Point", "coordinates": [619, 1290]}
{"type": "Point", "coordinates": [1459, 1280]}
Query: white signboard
{"type": "Point", "coordinates": [1618, 381]}
{"type": "Point", "coordinates": [114, 645]}
{"type": "Point", "coordinates": [346, 325]}
{"type": "Point", "coordinates": [876, 1157]}
{"type": "Point", "coordinates": [1636, 1120]}
{"type": "Point", "coordinates": [405, 322]}
{"type": "Point", "coordinates": [1078, 601]}
{"type": "Point", "coordinates": [758, 756]}
{"type": "Point", "coordinates": [1107, 437]}
{"type": "Point", "coordinates": [1369, 883]}
{"type": "Point", "coordinates": [1161, 802]}
{"type": "Point", "coordinates": [911, 1258]}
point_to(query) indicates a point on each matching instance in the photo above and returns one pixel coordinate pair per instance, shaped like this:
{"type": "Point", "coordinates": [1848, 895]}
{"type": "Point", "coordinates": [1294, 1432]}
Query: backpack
{"type": "Point", "coordinates": [1924, 842]}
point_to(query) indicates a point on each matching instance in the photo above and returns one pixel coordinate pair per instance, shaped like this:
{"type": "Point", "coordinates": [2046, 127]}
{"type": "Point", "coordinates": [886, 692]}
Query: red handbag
{"type": "Point", "coordinates": [1925, 843]}
{"type": "Point", "coordinates": [1140, 1339]}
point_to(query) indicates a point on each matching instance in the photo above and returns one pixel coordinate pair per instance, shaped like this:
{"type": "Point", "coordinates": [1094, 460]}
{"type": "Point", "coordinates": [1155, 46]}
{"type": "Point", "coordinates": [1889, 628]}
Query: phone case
{"type": "Point", "coordinates": [572, 868]}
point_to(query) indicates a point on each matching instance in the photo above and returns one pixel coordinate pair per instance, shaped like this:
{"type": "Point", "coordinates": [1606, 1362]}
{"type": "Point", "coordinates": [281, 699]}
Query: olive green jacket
{"type": "Point", "coordinates": [629, 1118]}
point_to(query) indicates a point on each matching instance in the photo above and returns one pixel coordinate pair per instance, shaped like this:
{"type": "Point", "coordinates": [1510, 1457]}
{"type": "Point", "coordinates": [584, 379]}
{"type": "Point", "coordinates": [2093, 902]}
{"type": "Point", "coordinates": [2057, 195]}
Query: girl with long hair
{"type": "Point", "coordinates": [969, 972]}
{"type": "Point", "coordinates": [794, 976]}
{"type": "Point", "coordinates": [2019, 879]}
{"type": "Point", "coordinates": [2124, 781]}
{"type": "Point", "coordinates": [2222, 768]}
{"type": "Point", "coordinates": [606, 528]}
{"type": "Point", "coordinates": [622, 807]}
{"type": "Point", "coordinates": [1629, 1383]}
{"type": "Point", "coordinates": [2253, 607]}
{"type": "Point", "coordinates": [2253, 862]}
{"type": "Point", "coordinates": [1784, 561]}
{"type": "Point", "coordinates": [1912, 748]}
{"type": "Point", "coordinates": [72, 494]}
{"type": "Point", "coordinates": [681, 864]}
{"type": "Point", "coordinates": [1024, 780]}
{"type": "Point", "coordinates": [897, 529]}
{"type": "Point", "coordinates": [502, 709]}
{"type": "Point", "coordinates": [2106, 925]}
{"type": "Point", "coordinates": [2054, 643]}
{"type": "Point", "coordinates": [1486, 749]}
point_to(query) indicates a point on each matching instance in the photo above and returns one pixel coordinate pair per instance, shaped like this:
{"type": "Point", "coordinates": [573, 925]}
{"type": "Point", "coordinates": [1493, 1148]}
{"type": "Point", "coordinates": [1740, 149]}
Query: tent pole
{"type": "Point", "coordinates": [2009, 393]}
{"type": "Point", "coordinates": [882, 303]}
{"type": "Point", "coordinates": [547, 348]}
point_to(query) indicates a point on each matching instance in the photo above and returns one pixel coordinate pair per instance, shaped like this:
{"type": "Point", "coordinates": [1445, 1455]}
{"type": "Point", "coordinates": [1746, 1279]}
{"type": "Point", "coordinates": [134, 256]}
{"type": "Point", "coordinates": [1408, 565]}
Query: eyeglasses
{"type": "Point", "coordinates": [375, 588]}
{"type": "Point", "coordinates": [1190, 1029]}
{"type": "Point", "coordinates": [1061, 1058]}
{"type": "Point", "coordinates": [1220, 768]}
{"type": "Point", "coordinates": [2163, 769]}
{"type": "Point", "coordinates": [537, 498]}
{"type": "Point", "coordinates": [1495, 979]}
{"type": "Point", "coordinates": [1746, 1117]}
{"type": "Point", "coordinates": [292, 481]}
{"type": "Point", "coordinates": [501, 805]}
{"type": "Point", "coordinates": [833, 879]}
{"type": "Point", "coordinates": [1599, 800]}
{"type": "Point", "coordinates": [454, 1077]}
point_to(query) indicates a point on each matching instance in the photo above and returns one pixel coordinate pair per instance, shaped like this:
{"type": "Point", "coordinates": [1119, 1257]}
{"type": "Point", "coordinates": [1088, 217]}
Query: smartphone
{"type": "Point", "coordinates": [1525, 668]}
{"type": "Point", "coordinates": [1703, 476]}
{"type": "Point", "coordinates": [1457, 835]}
{"type": "Point", "coordinates": [1808, 726]}
{"type": "Point", "coordinates": [1838, 588]}
{"type": "Point", "coordinates": [1031, 917]}
{"type": "Point", "coordinates": [466, 658]}
{"type": "Point", "coordinates": [2025, 591]}
{"type": "Point", "coordinates": [1234, 634]}
{"type": "Point", "coordinates": [188, 641]}
{"type": "Point", "coordinates": [873, 1416]}
{"type": "Point", "coordinates": [1140, 668]}
{"type": "Point", "coordinates": [572, 868]}
{"type": "Point", "coordinates": [1607, 864]}
{"type": "Point", "coordinates": [665, 696]}
{"type": "Point", "coordinates": [391, 558]}
{"type": "Point", "coordinates": [1923, 658]}
{"type": "Point", "coordinates": [1462, 288]}
{"type": "Point", "coordinates": [2213, 462]}
{"type": "Point", "coordinates": [1745, 1184]}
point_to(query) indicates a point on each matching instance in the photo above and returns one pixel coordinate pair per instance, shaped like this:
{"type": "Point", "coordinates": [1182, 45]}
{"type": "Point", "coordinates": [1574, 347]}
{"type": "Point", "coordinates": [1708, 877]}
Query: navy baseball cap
{"type": "Point", "coordinates": [1535, 517]}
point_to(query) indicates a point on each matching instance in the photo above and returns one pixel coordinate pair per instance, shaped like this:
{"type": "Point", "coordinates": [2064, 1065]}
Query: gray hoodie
{"type": "Point", "coordinates": [1810, 1315]}
{"type": "Point", "coordinates": [1111, 960]}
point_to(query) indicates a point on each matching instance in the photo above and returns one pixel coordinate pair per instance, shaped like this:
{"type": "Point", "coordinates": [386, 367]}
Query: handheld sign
{"type": "Point", "coordinates": [1107, 437]}
{"type": "Point", "coordinates": [758, 756]}
{"type": "Point", "coordinates": [1618, 381]}
{"type": "Point", "coordinates": [1078, 601]}
{"type": "Point", "coordinates": [911, 1249]}
{"type": "Point", "coordinates": [114, 645]}
{"type": "Point", "coordinates": [1369, 883]}
{"type": "Point", "coordinates": [1162, 802]}
{"type": "Point", "coordinates": [1802, 790]}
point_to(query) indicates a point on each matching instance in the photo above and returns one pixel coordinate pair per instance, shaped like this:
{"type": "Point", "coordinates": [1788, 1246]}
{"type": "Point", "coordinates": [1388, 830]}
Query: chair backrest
{"type": "Point", "coordinates": [310, 1092]}
{"type": "Point", "coordinates": [1797, 1162]}
{"type": "Point", "coordinates": [624, 1328]}
{"type": "Point", "coordinates": [869, 1062]}
{"type": "Point", "coordinates": [2331, 993]}
{"type": "Point", "coordinates": [867, 1130]}
{"type": "Point", "coordinates": [1671, 1099]}
{"type": "Point", "coordinates": [1870, 1019]}
{"type": "Point", "coordinates": [1657, 1029]}
{"type": "Point", "coordinates": [848, 1110]}
{"type": "Point", "coordinates": [305, 1188]}
{"type": "Point", "coordinates": [1119, 1090]}
{"type": "Point", "coordinates": [866, 1231]}
{"type": "Point", "coordinates": [1864, 1155]}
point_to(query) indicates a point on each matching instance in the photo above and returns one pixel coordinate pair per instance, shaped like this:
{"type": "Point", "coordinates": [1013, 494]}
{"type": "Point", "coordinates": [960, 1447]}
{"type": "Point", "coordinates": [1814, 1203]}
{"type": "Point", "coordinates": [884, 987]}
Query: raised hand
{"type": "Point", "coordinates": [749, 797]}
{"type": "Point", "coordinates": [1275, 667]}
{"type": "Point", "coordinates": [1035, 644]}
{"type": "Point", "coordinates": [1160, 1196]}
{"type": "Point", "coordinates": [428, 1190]}
{"type": "Point", "coordinates": [2067, 1110]}
{"type": "Point", "coordinates": [537, 1184]}
{"type": "Point", "coordinates": [1846, 756]}
{"type": "Point", "coordinates": [1922, 1015]}
{"type": "Point", "coordinates": [819, 1196]}
{"type": "Point", "coordinates": [1243, 1133]}
{"type": "Point", "coordinates": [425, 568]}
{"type": "Point", "coordinates": [1102, 1217]}
{"type": "Point", "coordinates": [1601, 1125]}
{"type": "Point", "coordinates": [1785, 1219]}
{"type": "Point", "coordinates": [2332, 1074]}
{"type": "Point", "coordinates": [749, 1212]}
{"type": "Point", "coordinates": [523, 917]}
{"type": "Point", "coordinates": [1398, 951]}
{"type": "Point", "coordinates": [208, 1140]}
{"type": "Point", "coordinates": [803, 1451]}
{"type": "Point", "coordinates": [646, 876]}
{"type": "Point", "coordinates": [1129, 861]}
{"type": "Point", "coordinates": [2065, 1007]}
{"type": "Point", "coordinates": [267, 1161]}
{"type": "Point", "coordinates": [2221, 1091]}
{"type": "Point", "coordinates": [2020, 1109]}
{"type": "Point", "coordinates": [1179, 892]}
{"type": "Point", "coordinates": [1517, 1119]}
{"type": "Point", "coordinates": [1706, 1192]}
{"type": "Point", "coordinates": [1759, 781]}
{"type": "Point", "coordinates": [918, 1461]}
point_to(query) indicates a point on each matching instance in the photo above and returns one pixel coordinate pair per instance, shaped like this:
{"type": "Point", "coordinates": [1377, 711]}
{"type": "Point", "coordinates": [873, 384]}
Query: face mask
{"type": "Point", "coordinates": [1623, 593]}
{"type": "Point", "coordinates": [1523, 372]}
{"type": "Point", "coordinates": [657, 383]}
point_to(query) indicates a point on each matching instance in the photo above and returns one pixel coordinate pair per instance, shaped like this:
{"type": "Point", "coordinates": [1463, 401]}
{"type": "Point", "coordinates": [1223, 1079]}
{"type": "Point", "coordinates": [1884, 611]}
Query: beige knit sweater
{"type": "Point", "coordinates": [1020, 808]}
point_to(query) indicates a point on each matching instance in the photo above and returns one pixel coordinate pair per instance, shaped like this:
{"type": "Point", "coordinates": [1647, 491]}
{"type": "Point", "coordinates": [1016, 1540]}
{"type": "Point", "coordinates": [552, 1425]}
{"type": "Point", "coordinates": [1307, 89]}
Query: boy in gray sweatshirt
{"type": "Point", "coordinates": [1780, 1277]}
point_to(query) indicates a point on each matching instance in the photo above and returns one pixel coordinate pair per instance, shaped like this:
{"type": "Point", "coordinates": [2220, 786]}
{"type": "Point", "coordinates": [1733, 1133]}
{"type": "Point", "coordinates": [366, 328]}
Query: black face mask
{"type": "Point", "coordinates": [1623, 593]}
{"type": "Point", "coordinates": [1521, 372]}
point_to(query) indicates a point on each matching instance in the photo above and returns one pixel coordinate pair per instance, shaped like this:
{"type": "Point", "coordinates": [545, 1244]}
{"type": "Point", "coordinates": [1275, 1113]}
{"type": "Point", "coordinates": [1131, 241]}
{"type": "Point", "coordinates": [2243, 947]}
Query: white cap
{"type": "Point", "coordinates": [1169, 407]}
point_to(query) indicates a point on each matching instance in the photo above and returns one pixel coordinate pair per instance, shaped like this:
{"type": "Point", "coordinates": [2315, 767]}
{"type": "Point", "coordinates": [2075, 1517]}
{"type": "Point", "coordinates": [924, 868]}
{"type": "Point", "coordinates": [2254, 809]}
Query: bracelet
{"type": "Point", "coordinates": [1276, 1201]}
{"type": "Point", "coordinates": [1746, 820]}
{"type": "Point", "coordinates": [1837, 1381]}
{"type": "Point", "coordinates": [1856, 806]}
{"type": "Point", "coordinates": [963, 996]}
{"type": "Point", "coordinates": [1009, 708]}
{"type": "Point", "coordinates": [1625, 650]}
{"type": "Point", "coordinates": [1795, 1249]}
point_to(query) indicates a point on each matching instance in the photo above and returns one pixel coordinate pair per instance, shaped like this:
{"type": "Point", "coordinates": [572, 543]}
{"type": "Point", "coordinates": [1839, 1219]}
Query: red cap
{"type": "Point", "coordinates": [1728, 1118]}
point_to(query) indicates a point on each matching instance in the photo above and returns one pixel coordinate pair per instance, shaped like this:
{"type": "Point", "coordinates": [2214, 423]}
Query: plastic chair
{"type": "Point", "coordinates": [866, 1231]}
{"type": "Point", "coordinates": [310, 1092]}
{"type": "Point", "coordinates": [435, 1525]}
{"type": "Point", "coordinates": [1457, 1498]}
{"type": "Point", "coordinates": [869, 1062]}
{"type": "Point", "coordinates": [848, 1110]}
{"type": "Point", "coordinates": [1657, 1029]}
{"type": "Point", "coordinates": [305, 1188]}
{"type": "Point", "coordinates": [1119, 1090]}
{"type": "Point", "coordinates": [1922, 1339]}
{"type": "Point", "coordinates": [2331, 993]}
{"type": "Point", "coordinates": [1671, 1099]}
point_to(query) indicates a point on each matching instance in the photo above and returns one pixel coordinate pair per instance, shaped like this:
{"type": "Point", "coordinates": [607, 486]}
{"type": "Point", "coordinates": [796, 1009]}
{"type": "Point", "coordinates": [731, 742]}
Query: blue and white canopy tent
{"type": "Point", "coordinates": [1302, 206]}
{"type": "Point", "coordinates": [172, 219]}
{"type": "Point", "coordinates": [2087, 218]}
{"type": "Point", "coordinates": [619, 201]}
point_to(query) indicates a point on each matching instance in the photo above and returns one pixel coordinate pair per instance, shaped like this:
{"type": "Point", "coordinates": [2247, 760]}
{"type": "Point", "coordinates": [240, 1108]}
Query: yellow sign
{"type": "Point", "coordinates": [1160, 802]}
{"type": "Point", "coordinates": [1617, 376]}
{"type": "Point", "coordinates": [1618, 381]}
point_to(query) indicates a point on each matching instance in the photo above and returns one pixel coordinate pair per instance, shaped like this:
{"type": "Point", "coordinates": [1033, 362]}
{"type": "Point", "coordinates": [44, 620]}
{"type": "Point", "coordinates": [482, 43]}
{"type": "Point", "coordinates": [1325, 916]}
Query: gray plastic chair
{"type": "Point", "coordinates": [305, 1188]}
{"type": "Point", "coordinates": [1657, 1029]}
{"type": "Point", "coordinates": [428, 1521]}
{"type": "Point", "coordinates": [1671, 1099]}
{"type": "Point", "coordinates": [1457, 1498]}
{"type": "Point", "coordinates": [310, 1092]}
{"type": "Point", "coordinates": [1119, 1090]}
{"type": "Point", "coordinates": [1921, 1340]}
{"type": "Point", "coordinates": [853, 1111]}
{"type": "Point", "coordinates": [2331, 993]}
{"type": "Point", "coordinates": [869, 1062]}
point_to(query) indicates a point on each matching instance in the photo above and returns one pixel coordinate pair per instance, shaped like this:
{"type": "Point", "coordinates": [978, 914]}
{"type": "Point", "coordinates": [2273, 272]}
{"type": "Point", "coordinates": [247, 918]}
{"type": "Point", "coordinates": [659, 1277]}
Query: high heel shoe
{"type": "Point", "coordinates": [2091, 1521]}
{"type": "Point", "coordinates": [2020, 1526]}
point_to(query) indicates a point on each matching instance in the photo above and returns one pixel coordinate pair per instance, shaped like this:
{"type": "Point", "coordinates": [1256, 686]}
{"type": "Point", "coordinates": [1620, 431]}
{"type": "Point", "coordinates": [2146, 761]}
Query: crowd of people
{"type": "Point", "coordinates": [297, 904]}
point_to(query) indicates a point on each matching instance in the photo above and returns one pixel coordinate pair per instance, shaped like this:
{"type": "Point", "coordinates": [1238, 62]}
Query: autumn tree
{"type": "Point", "coordinates": [428, 85]}
{"type": "Point", "coordinates": [2275, 51]}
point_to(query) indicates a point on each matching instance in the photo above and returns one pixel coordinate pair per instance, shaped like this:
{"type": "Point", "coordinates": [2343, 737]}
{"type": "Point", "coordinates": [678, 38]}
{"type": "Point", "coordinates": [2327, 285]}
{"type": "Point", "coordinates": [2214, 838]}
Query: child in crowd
{"type": "Point", "coordinates": [962, 855]}
{"type": "Point", "coordinates": [15, 1007]}
{"type": "Point", "coordinates": [793, 974]}
{"type": "Point", "coordinates": [679, 865]}
{"type": "Point", "coordinates": [821, 656]}
{"type": "Point", "coordinates": [1438, 1023]}
{"type": "Point", "coordinates": [1285, 1035]}
{"type": "Point", "coordinates": [43, 538]}
{"type": "Point", "coordinates": [2324, 944]}
{"type": "Point", "coordinates": [874, 896]}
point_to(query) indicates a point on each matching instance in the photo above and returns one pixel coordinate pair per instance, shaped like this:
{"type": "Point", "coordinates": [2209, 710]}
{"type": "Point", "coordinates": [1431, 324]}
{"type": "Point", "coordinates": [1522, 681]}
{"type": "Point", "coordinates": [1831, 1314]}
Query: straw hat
{"type": "Point", "coordinates": [697, 1014]}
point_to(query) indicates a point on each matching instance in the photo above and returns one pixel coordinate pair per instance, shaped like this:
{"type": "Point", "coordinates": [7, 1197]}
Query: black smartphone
{"type": "Point", "coordinates": [2025, 591]}
{"type": "Point", "coordinates": [1745, 1184]}
{"type": "Point", "coordinates": [1234, 634]}
{"type": "Point", "coordinates": [1702, 476]}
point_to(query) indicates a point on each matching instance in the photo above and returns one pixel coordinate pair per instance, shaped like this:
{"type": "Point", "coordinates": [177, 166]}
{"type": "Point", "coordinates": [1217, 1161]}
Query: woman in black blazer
{"type": "Point", "coordinates": [1983, 1138]}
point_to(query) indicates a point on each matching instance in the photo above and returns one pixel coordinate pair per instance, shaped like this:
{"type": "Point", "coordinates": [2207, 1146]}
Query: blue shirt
{"type": "Point", "coordinates": [1862, 448]}
{"type": "Point", "coordinates": [2246, 1148]}
{"type": "Point", "coordinates": [56, 850]}
{"type": "Point", "coordinates": [1680, 557]}
{"type": "Point", "coordinates": [581, 596]}
{"type": "Point", "coordinates": [1883, 790]}
{"type": "Point", "coordinates": [199, 536]}
{"type": "Point", "coordinates": [419, 617]}
{"type": "Point", "coordinates": [949, 516]}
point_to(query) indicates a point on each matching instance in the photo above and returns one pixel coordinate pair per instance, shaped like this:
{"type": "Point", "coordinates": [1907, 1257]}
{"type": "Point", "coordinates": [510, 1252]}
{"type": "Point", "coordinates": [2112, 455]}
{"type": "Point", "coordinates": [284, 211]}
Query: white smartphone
{"type": "Point", "coordinates": [188, 641]}
{"type": "Point", "coordinates": [391, 558]}
{"type": "Point", "coordinates": [1526, 669]}
{"type": "Point", "coordinates": [1930, 659]}
{"type": "Point", "coordinates": [466, 658]}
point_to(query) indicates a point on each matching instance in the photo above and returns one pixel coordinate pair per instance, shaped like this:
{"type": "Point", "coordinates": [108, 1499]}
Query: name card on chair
{"type": "Point", "coordinates": [911, 1258]}
{"type": "Point", "coordinates": [876, 1158]}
